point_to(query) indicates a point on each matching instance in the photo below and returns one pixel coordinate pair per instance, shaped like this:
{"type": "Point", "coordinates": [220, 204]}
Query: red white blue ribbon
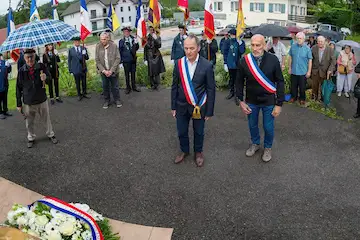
{"type": "Point", "coordinates": [67, 208]}
{"type": "Point", "coordinates": [259, 75]}
{"type": "Point", "coordinates": [188, 87]}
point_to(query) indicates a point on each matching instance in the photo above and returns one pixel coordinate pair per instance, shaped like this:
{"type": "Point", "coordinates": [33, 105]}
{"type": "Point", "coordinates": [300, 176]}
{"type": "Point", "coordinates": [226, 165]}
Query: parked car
{"type": "Point", "coordinates": [345, 31]}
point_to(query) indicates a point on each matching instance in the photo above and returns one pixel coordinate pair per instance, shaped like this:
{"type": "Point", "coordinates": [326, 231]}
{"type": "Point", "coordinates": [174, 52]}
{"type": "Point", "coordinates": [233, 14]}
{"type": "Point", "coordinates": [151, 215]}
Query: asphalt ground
{"type": "Point", "coordinates": [120, 162]}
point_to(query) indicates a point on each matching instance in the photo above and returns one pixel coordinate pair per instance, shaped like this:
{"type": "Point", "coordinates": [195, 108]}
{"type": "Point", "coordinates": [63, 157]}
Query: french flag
{"type": "Point", "coordinates": [209, 20]}
{"type": "Point", "coordinates": [85, 28]}
{"type": "Point", "coordinates": [15, 54]}
{"type": "Point", "coordinates": [141, 24]}
{"type": "Point", "coordinates": [54, 4]}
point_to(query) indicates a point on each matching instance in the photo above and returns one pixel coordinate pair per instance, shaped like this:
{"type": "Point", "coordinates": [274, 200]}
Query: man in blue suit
{"type": "Point", "coordinates": [192, 96]}
{"type": "Point", "coordinates": [177, 50]}
{"type": "Point", "coordinates": [77, 57]}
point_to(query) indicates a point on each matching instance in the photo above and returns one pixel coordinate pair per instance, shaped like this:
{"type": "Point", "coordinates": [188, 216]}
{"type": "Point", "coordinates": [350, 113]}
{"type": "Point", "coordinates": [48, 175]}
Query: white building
{"type": "Point", "coordinates": [256, 12]}
{"type": "Point", "coordinates": [98, 10]}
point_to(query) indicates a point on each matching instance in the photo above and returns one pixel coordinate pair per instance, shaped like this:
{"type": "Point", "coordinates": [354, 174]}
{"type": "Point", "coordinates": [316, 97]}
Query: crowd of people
{"type": "Point", "coordinates": [193, 87]}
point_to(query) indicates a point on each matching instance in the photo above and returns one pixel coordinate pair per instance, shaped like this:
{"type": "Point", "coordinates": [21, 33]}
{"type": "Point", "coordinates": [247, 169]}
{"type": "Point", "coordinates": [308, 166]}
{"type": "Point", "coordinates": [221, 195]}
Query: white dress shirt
{"type": "Point", "coordinates": [106, 58]}
{"type": "Point", "coordinates": [192, 66]}
{"type": "Point", "coordinates": [279, 49]}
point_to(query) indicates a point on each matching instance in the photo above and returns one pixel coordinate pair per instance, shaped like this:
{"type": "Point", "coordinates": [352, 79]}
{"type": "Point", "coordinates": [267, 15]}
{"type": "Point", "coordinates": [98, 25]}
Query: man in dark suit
{"type": "Point", "coordinates": [128, 46]}
{"type": "Point", "coordinates": [177, 50]}
{"type": "Point", "coordinates": [323, 65]}
{"type": "Point", "coordinates": [264, 91]}
{"type": "Point", "coordinates": [77, 57]}
{"type": "Point", "coordinates": [206, 45]}
{"type": "Point", "coordinates": [195, 102]}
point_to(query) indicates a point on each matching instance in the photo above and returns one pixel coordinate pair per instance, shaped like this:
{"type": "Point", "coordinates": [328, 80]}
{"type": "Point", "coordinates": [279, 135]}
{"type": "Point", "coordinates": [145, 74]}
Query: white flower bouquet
{"type": "Point", "coordinates": [52, 219]}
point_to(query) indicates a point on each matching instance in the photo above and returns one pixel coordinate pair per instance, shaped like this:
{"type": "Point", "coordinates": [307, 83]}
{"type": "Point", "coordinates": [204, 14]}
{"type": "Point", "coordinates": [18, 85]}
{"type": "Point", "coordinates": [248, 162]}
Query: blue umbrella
{"type": "Point", "coordinates": [39, 33]}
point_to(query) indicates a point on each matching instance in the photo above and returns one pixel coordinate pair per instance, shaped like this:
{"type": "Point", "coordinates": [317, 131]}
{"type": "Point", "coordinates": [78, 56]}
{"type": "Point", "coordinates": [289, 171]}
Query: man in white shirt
{"type": "Point", "coordinates": [192, 96]}
{"type": "Point", "coordinates": [278, 48]}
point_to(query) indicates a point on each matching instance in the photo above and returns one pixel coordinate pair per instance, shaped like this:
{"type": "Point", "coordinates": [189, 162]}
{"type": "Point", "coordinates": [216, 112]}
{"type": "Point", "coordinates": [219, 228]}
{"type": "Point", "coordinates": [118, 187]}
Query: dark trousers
{"type": "Point", "coordinates": [130, 69]}
{"type": "Point", "coordinates": [358, 106]}
{"type": "Point", "coordinates": [232, 74]}
{"type": "Point", "coordinates": [110, 84]}
{"type": "Point", "coordinates": [298, 83]}
{"type": "Point", "coordinates": [154, 81]}
{"type": "Point", "coordinates": [3, 102]}
{"type": "Point", "coordinates": [182, 124]}
{"type": "Point", "coordinates": [80, 78]}
{"type": "Point", "coordinates": [54, 82]}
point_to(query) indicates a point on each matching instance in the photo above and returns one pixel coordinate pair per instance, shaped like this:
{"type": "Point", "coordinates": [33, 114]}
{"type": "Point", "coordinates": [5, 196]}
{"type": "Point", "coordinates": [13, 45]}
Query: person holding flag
{"type": "Point", "coordinates": [264, 91]}
{"type": "Point", "coordinates": [128, 46]}
{"type": "Point", "coordinates": [192, 97]}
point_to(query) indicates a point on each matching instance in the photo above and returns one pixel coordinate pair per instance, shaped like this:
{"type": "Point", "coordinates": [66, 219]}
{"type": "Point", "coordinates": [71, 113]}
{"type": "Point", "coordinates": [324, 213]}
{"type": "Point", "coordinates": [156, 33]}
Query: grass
{"type": "Point", "coordinates": [355, 38]}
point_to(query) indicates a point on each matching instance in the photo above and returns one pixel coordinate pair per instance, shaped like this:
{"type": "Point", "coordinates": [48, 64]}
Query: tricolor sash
{"type": "Point", "coordinates": [258, 74]}
{"type": "Point", "coordinates": [188, 87]}
{"type": "Point", "coordinates": [67, 208]}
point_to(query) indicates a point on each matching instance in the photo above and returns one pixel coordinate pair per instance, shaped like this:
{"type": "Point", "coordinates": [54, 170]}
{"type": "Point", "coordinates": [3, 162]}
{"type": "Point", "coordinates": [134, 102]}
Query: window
{"type": "Point", "coordinates": [105, 23]}
{"type": "Point", "coordinates": [72, 16]}
{"type": "Point", "coordinates": [276, 8]}
{"type": "Point", "coordinates": [75, 27]}
{"type": "Point", "coordinates": [122, 19]}
{"type": "Point", "coordinates": [104, 10]}
{"type": "Point", "coordinates": [129, 18]}
{"type": "Point", "coordinates": [292, 9]}
{"type": "Point", "coordinates": [257, 7]}
{"type": "Point", "coordinates": [93, 13]}
{"type": "Point", "coordinates": [129, 8]}
{"type": "Point", "coordinates": [299, 1]}
{"type": "Point", "coordinates": [218, 6]}
{"type": "Point", "coordinates": [94, 26]}
{"type": "Point", "coordinates": [234, 6]}
{"type": "Point", "coordinates": [121, 9]}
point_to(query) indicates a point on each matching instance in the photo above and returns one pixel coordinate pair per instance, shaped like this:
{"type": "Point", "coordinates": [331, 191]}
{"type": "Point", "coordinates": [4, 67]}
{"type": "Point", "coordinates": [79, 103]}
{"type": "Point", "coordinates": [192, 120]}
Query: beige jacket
{"type": "Point", "coordinates": [113, 56]}
{"type": "Point", "coordinates": [347, 60]}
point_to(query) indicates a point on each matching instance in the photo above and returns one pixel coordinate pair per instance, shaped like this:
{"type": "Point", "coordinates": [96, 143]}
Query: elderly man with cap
{"type": "Point", "coordinates": [262, 74]}
{"type": "Point", "coordinates": [107, 57]}
{"type": "Point", "coordinates": [177, 50]}
{"type": "Point", "coordinates": [128, 46]}
{"type": "Point", "coordinates": [31, 96]}
{"type": "Point", "coordinates": [5, 69]}
{"type": "Point", "coordinates": [153, 58]}
{"type": "Point", "coordinates": [234, 53]}
{"type": "Point", "coordinates": [206, 45]}
{"type": "Point", "coordinates": [77, 57]}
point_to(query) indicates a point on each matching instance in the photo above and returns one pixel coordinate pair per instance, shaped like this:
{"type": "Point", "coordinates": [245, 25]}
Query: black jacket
{"type": "Point", "coordinates": [177, 50]}
{"type": "Point", "coordinates": [203, 82]}
{"type": "Point", "coordinates": [127, 54]}
{"type": "Point", "coordinates": [31, 92]}
{"type": "Point", "coordinates": [213, 50]}
{"type": "Point", "coordinates": [255, 93]}
{"type": "Point", "coordinates": [51, 64]}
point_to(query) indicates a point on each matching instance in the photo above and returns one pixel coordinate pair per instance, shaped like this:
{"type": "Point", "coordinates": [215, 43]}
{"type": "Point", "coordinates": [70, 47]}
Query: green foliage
{"type": "Point", "coordinates": [337, 16]}
{"type": "Point", "coordinates": [106, 230]}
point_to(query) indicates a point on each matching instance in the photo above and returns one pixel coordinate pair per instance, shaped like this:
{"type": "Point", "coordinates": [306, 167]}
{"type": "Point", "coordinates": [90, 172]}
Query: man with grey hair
{"type": "Point", "coordinates": [107, 59]}
{"type": "Point", "coordinates": [192, 97]}
{"type": "Point", "coordinates": [322, 66]}
{"type": "Point", "coordinates": [300, 62]}
{"type": "Point", "coordinates": [31, 96]}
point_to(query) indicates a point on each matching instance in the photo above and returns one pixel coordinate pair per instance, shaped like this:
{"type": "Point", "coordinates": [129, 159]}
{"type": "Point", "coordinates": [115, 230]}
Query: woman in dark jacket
{"type": "Point", "coordinates": [357, 70]}
{"type": "Point", "coordinates": [153, 58]}
{"type": "Point", "coordinates": [50, 59]}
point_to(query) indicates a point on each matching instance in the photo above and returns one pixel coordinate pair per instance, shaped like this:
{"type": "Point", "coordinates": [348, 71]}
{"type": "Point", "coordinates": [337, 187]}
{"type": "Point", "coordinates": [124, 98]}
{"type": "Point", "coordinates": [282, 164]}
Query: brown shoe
{"type": "Point", "coordinates": [181, 157]}
{"type": "Point", "coordinates": [302, 103]}
{"type": "Point", "coordinates": [199, 159]}
{"type": "Point", "coordinates": [292, 100]}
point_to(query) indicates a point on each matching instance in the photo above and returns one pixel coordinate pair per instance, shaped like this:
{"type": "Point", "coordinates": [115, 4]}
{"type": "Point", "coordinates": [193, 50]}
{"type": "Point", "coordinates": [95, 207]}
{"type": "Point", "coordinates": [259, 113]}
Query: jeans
{"type": "Point", "coordinates": [182, 124]}
{"type": "Point", "coordinates": [110, 84]}
{"type": "Point", "coordinates": [298, 82]}
{"type": "Point", "coordinates": [268, 124]}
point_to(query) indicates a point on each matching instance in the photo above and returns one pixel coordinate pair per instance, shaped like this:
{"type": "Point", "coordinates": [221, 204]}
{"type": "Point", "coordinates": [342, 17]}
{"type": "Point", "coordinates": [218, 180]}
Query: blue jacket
{"type": "Point", "coordinates": [203, 82]}
{"type": "Point", "coordinates": [75, 61]}
{"type": "Point", "coordinates": [128, 55]}
{"type": "Point", "coordinates": [234, 53]}
{"type": "Point", "coordinates": [4, 71]}
{"type": "Point", "coordinates": [177, 50]}
{"type": "Point", "coordinates": [224, 46]}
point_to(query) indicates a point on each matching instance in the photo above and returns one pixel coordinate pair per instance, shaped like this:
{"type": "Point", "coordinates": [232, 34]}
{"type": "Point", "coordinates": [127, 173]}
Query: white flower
{"type": "Point", "coordinates": [32, 233]}
{"type": "Point", "coordinates": [21, 221]}
{"type": "Point", "coordinates": [54, 235]}
{"type": "Point", "coordinates": [82, 207]}
{"type": "Point", "coordinates": [86, 235]}
{"type": "Point", "coordinates": [41, 220]}
{"type": "Point", "coordinates": [50, 228]}
{"type": "Point", "coordinates": [76, 237]}
{"type": "Point", "coordinates": [67, 228]}
{"type": "Point", "coordinates": [96, 216]}
{"type": "Point", "coordinates": [10, 217]}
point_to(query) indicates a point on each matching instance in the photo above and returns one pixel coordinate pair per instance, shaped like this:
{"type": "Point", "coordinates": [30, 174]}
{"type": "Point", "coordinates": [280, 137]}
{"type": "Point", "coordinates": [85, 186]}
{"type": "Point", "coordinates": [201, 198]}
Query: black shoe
{"type": "Point", "coordinates": [59, 100]}
{"type": "Point", "coordinates": [52, 101]}
{"type": "Point", "coordinates": [230, 96]}
{"type": "Point", "coordinates": [86, 96]}
{"type": "Point", "coordinates": [2, 116]}
{"type": "Point", "coordinates": [80, 98]}
{"type": "Point", "coordinates": [7, 114]}
{"type": "Point", "coordinates": [53, 140]}
{"type": "Point", "coordinates": [30, 144]}
{"type": "Point", "coordinates": [357, 115]}
{"type": "Point", "coordinates": [127, 91]}
{"type": "Point", "coordinates": [136, 90]}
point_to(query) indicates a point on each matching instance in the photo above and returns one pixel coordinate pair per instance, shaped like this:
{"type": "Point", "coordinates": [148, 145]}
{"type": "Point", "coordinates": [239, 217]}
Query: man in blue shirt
{"type": "Point", "coordinates": [5, 69]}
{"type": "Point", "coordinates": [300, 63]}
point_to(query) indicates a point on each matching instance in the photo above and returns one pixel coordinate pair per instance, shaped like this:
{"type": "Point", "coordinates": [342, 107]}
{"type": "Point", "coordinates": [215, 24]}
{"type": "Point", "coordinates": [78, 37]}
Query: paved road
{"type": "Point", "coordinates": [120, 161]}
